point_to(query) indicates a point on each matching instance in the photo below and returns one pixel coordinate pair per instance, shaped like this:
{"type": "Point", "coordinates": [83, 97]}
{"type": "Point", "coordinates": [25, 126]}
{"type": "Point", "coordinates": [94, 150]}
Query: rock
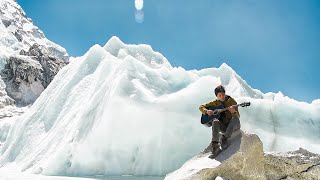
{"type": "Point", "coordinates": [23, 79]}
{"type": "Point", "coordinates": [242, 160]}
{"type": "Point", "coordinates": [18, 36]}
{"type": "Point", "coordinates": [21, 41]}
{"type": "Point", "coordinates": [6, 22]}
{"type": "Point", "coordinates": [27, 75]}
{"type": "Point", "coordinates": [245, 160]}
{"type": "Point", "coordinates": [50, 65]}
{"type": "Point", "coordinates": [300, 164]}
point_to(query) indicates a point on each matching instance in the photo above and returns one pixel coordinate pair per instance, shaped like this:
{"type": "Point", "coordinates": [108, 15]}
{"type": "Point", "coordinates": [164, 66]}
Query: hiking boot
{"type": "Point", "coordinates": [224, 142]}
{"type": "Point", "coordinates": [215, 150]}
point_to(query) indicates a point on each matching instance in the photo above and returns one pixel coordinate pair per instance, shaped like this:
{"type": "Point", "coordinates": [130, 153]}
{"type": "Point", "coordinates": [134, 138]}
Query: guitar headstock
{"type": "Point", "coordinates": [245, 104]}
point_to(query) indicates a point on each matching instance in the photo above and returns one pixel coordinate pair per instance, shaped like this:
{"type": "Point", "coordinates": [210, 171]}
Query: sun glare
{"type": "Point", "coordinates": [138, 4]}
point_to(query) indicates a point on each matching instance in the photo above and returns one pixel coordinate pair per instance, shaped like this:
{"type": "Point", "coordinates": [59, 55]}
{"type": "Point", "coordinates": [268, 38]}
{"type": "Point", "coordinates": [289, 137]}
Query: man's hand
{"type": "Point", "coordinates": [232, 109]}
{"type": "Point", "coordinates": [210, 112]}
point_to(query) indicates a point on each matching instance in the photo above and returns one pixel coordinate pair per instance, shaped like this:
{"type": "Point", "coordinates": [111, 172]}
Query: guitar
{"type": "Point", "coordinates": [206, 119]}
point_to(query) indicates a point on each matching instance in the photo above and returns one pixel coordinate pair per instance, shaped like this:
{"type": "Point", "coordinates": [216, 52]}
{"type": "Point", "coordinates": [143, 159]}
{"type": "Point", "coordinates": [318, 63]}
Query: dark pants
{"type": "Point", "coordinates": [218, 127]}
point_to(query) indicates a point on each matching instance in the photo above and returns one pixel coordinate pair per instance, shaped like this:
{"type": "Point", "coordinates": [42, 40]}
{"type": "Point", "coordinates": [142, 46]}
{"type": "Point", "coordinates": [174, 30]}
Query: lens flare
{"type": "Point", "coordinates": [138, 4]}
{"type": "Point", "coordinates": [139, 16]}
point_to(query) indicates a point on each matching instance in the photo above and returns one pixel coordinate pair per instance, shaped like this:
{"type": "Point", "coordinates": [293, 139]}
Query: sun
{"type": "Point", "coordinates": [138, 4]}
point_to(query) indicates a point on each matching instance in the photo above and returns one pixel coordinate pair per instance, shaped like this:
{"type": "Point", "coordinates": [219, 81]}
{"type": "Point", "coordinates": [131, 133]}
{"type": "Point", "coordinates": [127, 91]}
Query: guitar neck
{"type": "Point", "coordinates": [224, 109]}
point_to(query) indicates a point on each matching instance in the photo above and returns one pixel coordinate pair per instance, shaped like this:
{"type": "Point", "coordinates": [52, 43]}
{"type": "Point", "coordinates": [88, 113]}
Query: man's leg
{"type": "Point", "coordinates": [215, 130]}
{"type": "Point", "coordinates": [215, 138]}
{"type": "Point", "coordinates": [233, 125]}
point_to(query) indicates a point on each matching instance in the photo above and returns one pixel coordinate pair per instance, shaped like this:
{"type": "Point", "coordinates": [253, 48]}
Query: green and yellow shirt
{"type": "Point", "coordinates": [227, 116]}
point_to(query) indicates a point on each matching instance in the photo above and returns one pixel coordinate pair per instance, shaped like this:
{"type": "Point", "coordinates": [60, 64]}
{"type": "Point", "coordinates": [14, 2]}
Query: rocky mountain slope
{"type": "Point", "coordinates": [28, 60]}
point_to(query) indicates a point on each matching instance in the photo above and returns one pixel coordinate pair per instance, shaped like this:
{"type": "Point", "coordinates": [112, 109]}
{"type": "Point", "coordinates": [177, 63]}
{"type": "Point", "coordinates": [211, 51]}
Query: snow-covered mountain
{"type": "Point", "coordinates": [123, 109]}
{"type": "Point", "coordinates": [18, 32]}
{"type": "Point", "coordinates": [28, 60]}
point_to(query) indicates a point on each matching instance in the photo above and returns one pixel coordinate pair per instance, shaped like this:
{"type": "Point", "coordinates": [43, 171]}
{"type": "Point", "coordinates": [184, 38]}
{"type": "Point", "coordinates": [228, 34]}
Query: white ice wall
{"type": "Point", "coordinates": [123, 109]}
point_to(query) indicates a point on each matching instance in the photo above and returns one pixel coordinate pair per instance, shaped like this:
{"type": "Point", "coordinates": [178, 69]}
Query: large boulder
{"type": "Point", "coordinates": [245, 160]}
{"type": "Point", "coordinates": [242, 160]}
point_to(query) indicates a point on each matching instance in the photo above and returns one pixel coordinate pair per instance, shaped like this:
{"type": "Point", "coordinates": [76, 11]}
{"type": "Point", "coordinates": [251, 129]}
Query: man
{"type": "Point", "coordinates": [227, 122]}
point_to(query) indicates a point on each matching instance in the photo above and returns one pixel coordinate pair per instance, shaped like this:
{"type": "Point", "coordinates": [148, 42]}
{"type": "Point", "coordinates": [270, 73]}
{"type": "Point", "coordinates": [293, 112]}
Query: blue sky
{"type": "Point", "coordinates": [273, 44]}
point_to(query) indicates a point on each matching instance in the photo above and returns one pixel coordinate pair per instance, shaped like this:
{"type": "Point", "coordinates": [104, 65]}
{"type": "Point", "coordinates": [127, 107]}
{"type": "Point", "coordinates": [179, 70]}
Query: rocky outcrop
{"type": "Point", "coordinates": [28, 60]}
{"type": "Point", "coordinates": [50, 64]}
{"type": "Point", "coordinates": [245, 160]}
{"type": "Point", "coordinates": [28, 74]}
{"type": "Point", "coordinates": [300, 164]}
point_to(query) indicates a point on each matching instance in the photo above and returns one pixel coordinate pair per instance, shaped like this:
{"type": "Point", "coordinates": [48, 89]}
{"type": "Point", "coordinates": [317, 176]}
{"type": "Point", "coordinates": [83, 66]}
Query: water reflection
{"type": "Point", "coordinates": [127, 177]}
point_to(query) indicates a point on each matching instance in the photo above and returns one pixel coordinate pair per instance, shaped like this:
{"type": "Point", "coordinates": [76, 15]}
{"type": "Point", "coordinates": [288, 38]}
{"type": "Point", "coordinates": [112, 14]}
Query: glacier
{"type": "Point", "coordinates": [123, 109]}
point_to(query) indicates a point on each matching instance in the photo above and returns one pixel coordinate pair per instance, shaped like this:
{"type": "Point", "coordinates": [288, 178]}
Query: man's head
{"type": "Point", "coordinates": [220, 93]}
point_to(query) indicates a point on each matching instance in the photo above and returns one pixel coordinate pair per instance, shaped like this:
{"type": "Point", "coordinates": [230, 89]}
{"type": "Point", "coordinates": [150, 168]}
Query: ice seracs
{"type": "Point", "coordinates": [143, 52]}
{"type": "Point", "coordinates": [123, 109]}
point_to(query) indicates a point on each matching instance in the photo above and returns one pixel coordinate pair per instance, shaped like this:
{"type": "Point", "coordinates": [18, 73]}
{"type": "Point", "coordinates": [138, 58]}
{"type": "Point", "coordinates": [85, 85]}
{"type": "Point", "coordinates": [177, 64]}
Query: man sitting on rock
{"type": "Point", "coordinates": [227, 122]}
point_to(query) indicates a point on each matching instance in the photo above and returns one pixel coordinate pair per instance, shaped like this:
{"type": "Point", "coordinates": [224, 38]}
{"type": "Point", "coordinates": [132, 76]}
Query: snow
{"type": "Point", "coordinates": [144, 53]}
{"type": "Point", "coordinates": [18, 32]}
{"type": "Point", "coordinates": [193, 166]}
{"type": "Point", "coordinates": [27, 27]}
{"type": "Point", "coordinates": [123, 109]}
{"type": "Point", "coordinates": [316, 102]}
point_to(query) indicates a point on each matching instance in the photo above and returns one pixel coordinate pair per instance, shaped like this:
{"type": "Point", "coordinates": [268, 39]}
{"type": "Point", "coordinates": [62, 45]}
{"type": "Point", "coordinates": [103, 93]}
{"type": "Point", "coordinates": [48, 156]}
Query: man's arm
{"type": "Point", "coordinates": [203, 107]}
{"type": "Point", "coordinates": [236, 113]}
